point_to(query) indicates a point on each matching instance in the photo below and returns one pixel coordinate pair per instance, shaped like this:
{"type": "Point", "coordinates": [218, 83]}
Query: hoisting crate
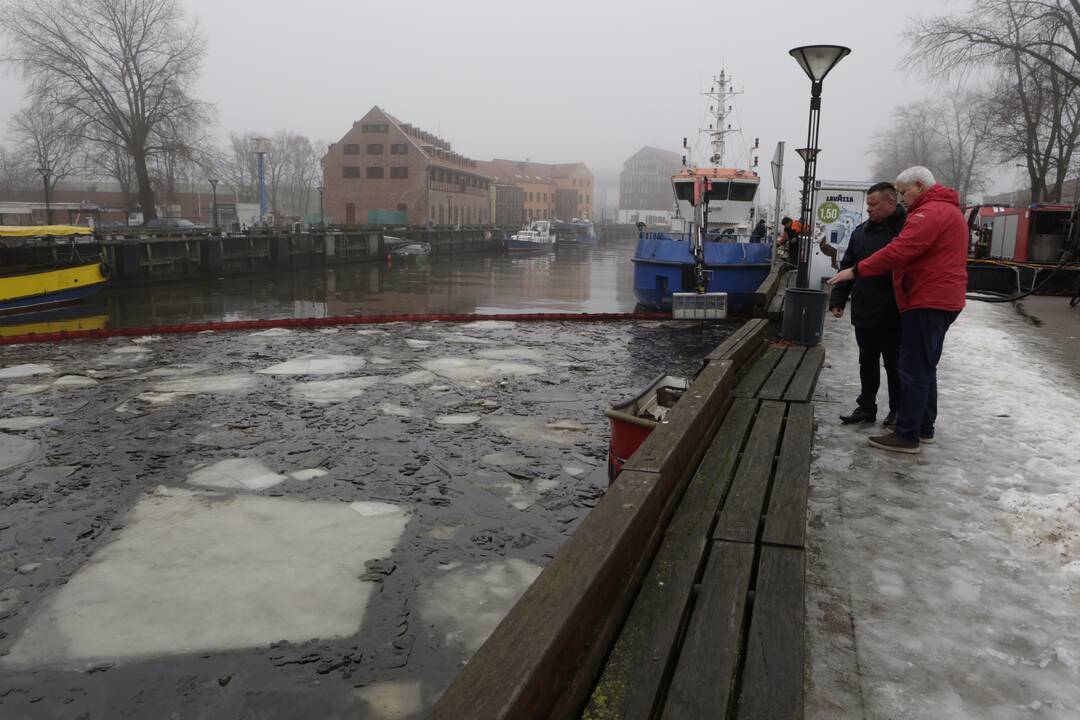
{"type": "Point", "coordinates": [699, 306]}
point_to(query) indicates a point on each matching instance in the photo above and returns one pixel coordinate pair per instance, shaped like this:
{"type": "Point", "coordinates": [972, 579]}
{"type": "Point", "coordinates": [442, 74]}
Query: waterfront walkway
{"type": "Point", "coordinates": [946, 585]}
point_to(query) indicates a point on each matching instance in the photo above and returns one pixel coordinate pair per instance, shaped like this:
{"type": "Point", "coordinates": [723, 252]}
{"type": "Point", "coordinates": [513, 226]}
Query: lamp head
{"type": "Point", "coordinates": [817, 60]}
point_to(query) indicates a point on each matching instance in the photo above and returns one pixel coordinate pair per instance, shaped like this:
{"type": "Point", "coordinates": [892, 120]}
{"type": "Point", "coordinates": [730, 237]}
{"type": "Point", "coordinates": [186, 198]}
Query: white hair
{"type": "Point", "coordinates": [916, 174]}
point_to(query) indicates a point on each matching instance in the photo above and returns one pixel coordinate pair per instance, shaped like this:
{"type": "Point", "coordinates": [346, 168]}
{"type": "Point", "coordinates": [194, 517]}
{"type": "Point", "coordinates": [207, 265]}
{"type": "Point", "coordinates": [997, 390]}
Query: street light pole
{"type": "Point", "coordinates": [213, 187]}
{"type": "Point", "coordinates": [46, 171]}
{"type": "Point", "coordinates": [816, 61]}
{"type": "Point", "coordinates": [322, 217]}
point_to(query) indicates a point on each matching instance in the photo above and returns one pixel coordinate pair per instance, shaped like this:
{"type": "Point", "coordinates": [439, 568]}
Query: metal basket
{"type": "Point", "coordinates": [699, 306]}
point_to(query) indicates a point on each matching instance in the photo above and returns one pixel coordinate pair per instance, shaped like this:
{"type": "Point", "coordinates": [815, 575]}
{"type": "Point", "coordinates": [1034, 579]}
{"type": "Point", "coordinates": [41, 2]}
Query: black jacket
{"type": "Point", "coordinates": [873, 302]}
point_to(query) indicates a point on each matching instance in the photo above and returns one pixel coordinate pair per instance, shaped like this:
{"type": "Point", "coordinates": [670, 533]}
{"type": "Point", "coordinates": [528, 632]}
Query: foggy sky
{"type": "Point", "coordinates": [557, 81]}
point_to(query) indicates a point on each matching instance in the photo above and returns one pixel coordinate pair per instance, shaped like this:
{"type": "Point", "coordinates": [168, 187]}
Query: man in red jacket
{"type": "Point", "coordinates": [928, 261]}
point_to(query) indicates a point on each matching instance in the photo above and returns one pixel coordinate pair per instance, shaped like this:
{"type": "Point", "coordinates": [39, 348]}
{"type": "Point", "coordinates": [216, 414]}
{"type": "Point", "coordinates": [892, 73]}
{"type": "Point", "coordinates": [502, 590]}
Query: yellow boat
{"type": "Point", "coordinates": [46, 327]}
{"type": "Point", "coordinates": [26, 288]}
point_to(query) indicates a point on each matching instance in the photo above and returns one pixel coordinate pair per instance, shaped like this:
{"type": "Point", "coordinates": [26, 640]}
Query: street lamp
{"type": "Point", "coordinates": [213, 187]}
{"type": "Point", "coordinates": [816, 61]}
{"type": "Point", "coordinates": [46, 171]}
{"type": "Point", "coordinates": [322, 191]}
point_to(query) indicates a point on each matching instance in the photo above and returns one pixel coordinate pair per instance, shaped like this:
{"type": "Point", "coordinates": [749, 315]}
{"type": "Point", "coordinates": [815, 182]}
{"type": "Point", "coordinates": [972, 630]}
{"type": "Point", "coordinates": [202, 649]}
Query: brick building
{"type": "Point", "coordinates": [384, 170]}
{"type": "Point", "coordinates": [645, 181]}
{"type": "Point", "coordinates": [549, 190]}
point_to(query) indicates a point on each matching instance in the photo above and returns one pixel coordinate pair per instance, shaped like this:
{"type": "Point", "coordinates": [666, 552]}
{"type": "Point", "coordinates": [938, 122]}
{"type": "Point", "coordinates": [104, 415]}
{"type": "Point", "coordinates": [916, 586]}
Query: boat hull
{"type": "Point", "coordinates": [524, 246]}
{"type": "Point", "coordinates": [35, 290]}
{"type": "Point", "coordinates": [663, 266]}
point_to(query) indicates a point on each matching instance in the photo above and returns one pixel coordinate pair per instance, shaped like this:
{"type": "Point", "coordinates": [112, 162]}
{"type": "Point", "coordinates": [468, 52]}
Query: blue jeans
{"type": "Point", "coordinates": [922, 337]}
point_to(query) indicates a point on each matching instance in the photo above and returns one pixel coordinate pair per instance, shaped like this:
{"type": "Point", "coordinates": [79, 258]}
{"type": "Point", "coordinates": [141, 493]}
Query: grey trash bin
{"type": "Point", "coordinates": [804, 315]}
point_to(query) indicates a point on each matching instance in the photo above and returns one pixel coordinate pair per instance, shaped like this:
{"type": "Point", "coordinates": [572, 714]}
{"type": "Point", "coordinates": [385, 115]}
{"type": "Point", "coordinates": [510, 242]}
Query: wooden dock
{"type": "Point", "coordinates": [681, 594]}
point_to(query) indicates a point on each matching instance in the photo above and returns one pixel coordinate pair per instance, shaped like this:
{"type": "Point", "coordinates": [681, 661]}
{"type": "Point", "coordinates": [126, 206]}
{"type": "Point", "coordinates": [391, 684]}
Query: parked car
{"type": "Point", "coordinates": [168, 223]}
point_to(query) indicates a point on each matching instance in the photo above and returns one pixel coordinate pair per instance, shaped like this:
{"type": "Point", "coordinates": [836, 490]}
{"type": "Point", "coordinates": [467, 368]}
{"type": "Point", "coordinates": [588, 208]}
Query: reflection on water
{"type": "Point", "coordinates": [579, 280]}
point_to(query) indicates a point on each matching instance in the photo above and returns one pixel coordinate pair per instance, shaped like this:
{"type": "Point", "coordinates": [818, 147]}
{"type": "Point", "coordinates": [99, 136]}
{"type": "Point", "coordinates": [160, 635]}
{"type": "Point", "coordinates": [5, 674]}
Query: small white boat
{"type": "Point", "coordinates": [537, 236]}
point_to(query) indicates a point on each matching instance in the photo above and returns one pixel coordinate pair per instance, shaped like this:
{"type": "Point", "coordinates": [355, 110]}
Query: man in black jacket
{"type": "Point", "coordinates": [873, 305]}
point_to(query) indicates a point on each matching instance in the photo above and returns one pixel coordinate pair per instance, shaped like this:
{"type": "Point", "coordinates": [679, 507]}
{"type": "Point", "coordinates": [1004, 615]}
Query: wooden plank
{"type": "Point", "coordinates": [758, 373]}
{"type": "Point", "coordinates": [741, 344]}
{"type": "Point", "coordinates": [704, 684]}
{"type": "Point", "coordinates": [766, 290]}
{"type": "Point", "coordinates": [772, 679]}
{"type": "Point", "coordinates": [785, 521]}
{"type": "Point", "coordinates": [643, 656]}
{"type": "Point", "coordinates": [741, 516]}
{"type": "Point", "coordinates": [802, 385]}
{"type": "Point", "coordinates": [778, 380]}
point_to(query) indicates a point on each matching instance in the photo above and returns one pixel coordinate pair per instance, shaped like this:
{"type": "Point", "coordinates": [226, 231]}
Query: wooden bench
{"type": "Point", "coordinates": [705, 523]}
{"type": "Point", "coordinates": [776, 305]}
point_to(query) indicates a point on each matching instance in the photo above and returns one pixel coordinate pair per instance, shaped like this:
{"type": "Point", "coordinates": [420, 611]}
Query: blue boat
{"type": "Point", "coordinates": [538, 236]}
{"type": "Point", "coordinates": [710, 249]}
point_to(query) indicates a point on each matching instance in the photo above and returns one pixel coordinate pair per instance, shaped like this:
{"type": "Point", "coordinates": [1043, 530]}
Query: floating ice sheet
{"type": "Point", "coordinates": [391, 700]}
{"type": "Point", "coordinates": [273, 332]}
{"type": "Point", "coordinates": [74, 381]}
{"type": "Point", "coordinates": [236, 473]}
{"type": "Point", "coordinates": [182, 370]}
{"type": "Point", "coordinates": [461, 419]}
{"type": "Point", "coordinates": [197, 572]}
{"type": "Point", "coordinates": [397, 410]}
{"type": "Point", "coordinates": [335, 391]}
{"type": "Point", "coordinates": [477, 372]}
{"type": "Point", "coordinates": [209, 384]}
{"type": "Point", "coordinates": [417, 377]}
{"type": "Point", "coordinates": [309, 474]}
{"type": "Point", "coordinates": [27, 370]}
{"type": "Point", "coordinates": [15, 451]}
{"type": "Point", "coordinates": [512, 353]}
{"type": "Point", "coordinates": [468, 602]}
{"type": "Point", "coordinates": [530, 430]}
{"type": "Point", "coordinates": [27, 422]}
{"type": "Point", "coordinates": [489, 325]}
{"type": "Point", "coordinates": [419, 344]}
{"type": "Point", "coordinates": [316, 365]}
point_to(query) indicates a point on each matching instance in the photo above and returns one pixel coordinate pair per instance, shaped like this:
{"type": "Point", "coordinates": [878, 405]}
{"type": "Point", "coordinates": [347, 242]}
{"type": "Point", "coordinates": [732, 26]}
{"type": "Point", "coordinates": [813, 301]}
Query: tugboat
{"type": "Point", "coordinates": [538, 235]}
{"type": "Point", "coordinates": [575, 233]}
{"type": "Point", "coordinates": [709, 248]}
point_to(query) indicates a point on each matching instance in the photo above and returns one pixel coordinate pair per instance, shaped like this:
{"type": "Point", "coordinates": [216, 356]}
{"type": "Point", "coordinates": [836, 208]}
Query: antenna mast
{"type": "Point", "coordinates": [720, 129]}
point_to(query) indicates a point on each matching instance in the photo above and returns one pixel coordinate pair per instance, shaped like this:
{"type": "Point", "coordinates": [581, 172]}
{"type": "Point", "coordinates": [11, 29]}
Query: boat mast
{"type": "Point", "coordinates": [720, 128]}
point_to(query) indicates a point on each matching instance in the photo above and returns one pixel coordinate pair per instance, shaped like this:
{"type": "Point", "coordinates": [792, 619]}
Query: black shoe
{"type": "Point", "coordinates": [895, 443]}
{"type": "Point", "coordinates": [890, 419]}
{"type": "Point", "coordinates": [858, 416]}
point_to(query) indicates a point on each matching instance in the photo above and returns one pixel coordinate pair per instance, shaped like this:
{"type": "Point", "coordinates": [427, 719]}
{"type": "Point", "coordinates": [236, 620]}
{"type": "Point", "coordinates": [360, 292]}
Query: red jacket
{"type": "Point", "coordinates": [928, 259]}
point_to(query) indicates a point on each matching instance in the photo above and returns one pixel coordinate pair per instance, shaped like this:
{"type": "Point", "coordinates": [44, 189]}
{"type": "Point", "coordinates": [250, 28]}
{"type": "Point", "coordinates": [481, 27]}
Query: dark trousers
{"type": "Point", "coordinates": [877, 346]}
{"type": "Point", "coordinates": [922, 336]}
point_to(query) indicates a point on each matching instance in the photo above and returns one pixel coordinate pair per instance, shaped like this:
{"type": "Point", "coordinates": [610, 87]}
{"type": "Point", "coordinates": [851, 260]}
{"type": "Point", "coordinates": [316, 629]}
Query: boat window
{"type": "Point", "coordinates": [719, 191]}
{"type": "Point", "coordinates": [684, 191]}
{"type": "Point", "coordinates": [743, 192]}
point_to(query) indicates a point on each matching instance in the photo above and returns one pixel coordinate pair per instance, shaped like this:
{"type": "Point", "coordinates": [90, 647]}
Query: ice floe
{"type": "Point", "coordinates": [391, 699]}
{"type": "Point", "coordinates": [335, 391]}
{"type": "Point", "coordinates": [74, 381]}
{"type": "Point", "coordinates": [489, 325]}
{"type": "Point", "coordinates": [207, 384]}
{"type": "Point", "coordinates": [466, 371]}
{"type": "Point", "coordinates": [15, 451]}
{"type": "Point", "coordinates": [309, 474]}
{"type": "Point", "coordinates": [419, 344]}
{"type": "Point", "coordinates": [505, 459]}
{"type": "Point", "coordinates": [272, 332]}
{"type": "Point", "coordinates": [414, 378]}
{"type": "Point", "coordinates": [27, 370]}
{"type": "Point", "coordinates": [26, 422]}
{"type": "Point", "coordinates": [461, 419]}
{"type": "Point", "coordinates": [236, 474]}
{"type": "Point", "coordinates": [468, 602]}
{"type": "Point", "coordinates": [195, 572]}
{"type": "Point", "coordinates": [512, 353]}
{"type": "Point", "coordinates": [533, 431]}
{"type": "Point", "coordinates": [20, 389]}
{"type": "Point", "coordinates": [181, 370]}
{"type": "Point", "coordinates": [397, 410]}
{"type": "Point", "coordinates": [316, 365]}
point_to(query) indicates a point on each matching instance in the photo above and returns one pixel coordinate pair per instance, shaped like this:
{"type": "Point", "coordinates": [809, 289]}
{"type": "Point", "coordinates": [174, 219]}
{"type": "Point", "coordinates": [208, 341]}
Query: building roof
{"type": "Point", "coordinates": [668, 156]}
{"type": "Point", "coordinates": [524, 170]}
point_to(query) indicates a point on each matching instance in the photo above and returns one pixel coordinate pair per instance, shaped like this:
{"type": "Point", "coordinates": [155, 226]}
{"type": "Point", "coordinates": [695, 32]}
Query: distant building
{"type": "Point", "coordinates": [508, 204]}
{"type": "Point", "coordinates": [645, 181]}
{"type": "Point", "coordinates": [386, 171]}
{"type": "Point", "coordinates": [549, 190]}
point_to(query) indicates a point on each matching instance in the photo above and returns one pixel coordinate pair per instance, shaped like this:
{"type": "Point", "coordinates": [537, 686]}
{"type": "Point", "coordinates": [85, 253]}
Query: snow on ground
{"type": "Point", "coordinates": [945, 585]}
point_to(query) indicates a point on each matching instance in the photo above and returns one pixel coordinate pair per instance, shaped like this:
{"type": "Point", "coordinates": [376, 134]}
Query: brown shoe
{"type": "Point", "coordinates": [894, 442]}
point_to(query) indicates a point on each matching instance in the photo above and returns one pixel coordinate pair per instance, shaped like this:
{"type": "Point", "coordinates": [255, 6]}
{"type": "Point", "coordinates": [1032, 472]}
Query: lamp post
{"type": "Point", "coordinates": [46, 171]}
{"type": "Point", "coordinates": [322, 191]}
{"type": "Point", "coordinates": [816, 61]}
{"type": "Point", "coordinates": [213, 188]}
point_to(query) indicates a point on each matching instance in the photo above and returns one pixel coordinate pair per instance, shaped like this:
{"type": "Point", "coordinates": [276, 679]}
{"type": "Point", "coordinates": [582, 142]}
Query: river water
{"type": "Point", "coordinates": [578, 280]}
{"type": "Point", "coordinates": [311, 523]}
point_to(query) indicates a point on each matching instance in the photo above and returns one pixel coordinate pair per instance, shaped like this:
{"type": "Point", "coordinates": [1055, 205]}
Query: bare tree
{"type": "Point", "coordinates": [15, 172]}
{"type": "Point", "coordinates": [118, 68]}
{"type": "Point", "coordinates": [911, 139]}
{"type": "Point", "coordinates": [48, 141]}
{"type": "Point", "coordinates": [964, 135]}
{"type": "Point", "coordinates": [239, 166]}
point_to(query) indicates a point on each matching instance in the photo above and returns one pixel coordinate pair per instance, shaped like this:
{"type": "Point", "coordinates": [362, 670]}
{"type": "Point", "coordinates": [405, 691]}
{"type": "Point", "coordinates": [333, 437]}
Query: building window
{"type": "Point", "coordinates": [350, 171]}
{"type": "Point", "coordinates": [530, 197]}
{"type": "Point", "coordinates": [399, 149]}
{"type": "Point", "coordinates": [351, 149]}
{"type": "Point", "coordinates": [375, 171]}
{"type": "Point", "coordinates": [399, 172]}
{"type": "Point", "coordinates": [402, 207]}
{"type": "Point", "coordinates": [374, 149]}
{"type": "Point", "coordinates": [374, 128]}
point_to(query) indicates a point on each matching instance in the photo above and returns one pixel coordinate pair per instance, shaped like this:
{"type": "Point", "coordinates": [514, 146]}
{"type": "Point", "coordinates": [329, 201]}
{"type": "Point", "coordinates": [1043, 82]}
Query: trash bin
{"type": "Point", "coordinates": [804, 315]}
